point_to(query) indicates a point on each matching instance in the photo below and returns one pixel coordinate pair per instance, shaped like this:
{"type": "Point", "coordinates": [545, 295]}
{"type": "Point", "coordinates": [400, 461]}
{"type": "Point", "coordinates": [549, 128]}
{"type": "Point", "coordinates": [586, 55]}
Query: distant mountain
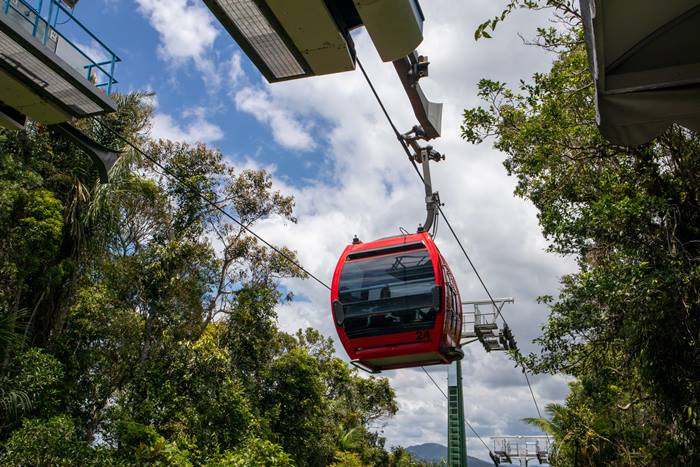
{"type": "Point", "coordinates": [433, 452]}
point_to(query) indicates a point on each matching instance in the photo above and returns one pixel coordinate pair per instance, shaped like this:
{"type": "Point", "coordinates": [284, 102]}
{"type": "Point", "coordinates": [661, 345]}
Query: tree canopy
{"type": "Point", "coordinates": [138, 325]}
{"type": "Point", "coordinates": [626, 325]}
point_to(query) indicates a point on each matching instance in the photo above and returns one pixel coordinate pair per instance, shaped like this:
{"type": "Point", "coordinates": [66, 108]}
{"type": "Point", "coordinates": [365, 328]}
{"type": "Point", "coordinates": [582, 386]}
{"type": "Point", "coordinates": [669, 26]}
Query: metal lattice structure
{"type": "Point", "coordinates": [481, 323]}
{"type": "Point", "coordinates": [524, 449]}
{"type": "Point", "coordinates": [456, 436]}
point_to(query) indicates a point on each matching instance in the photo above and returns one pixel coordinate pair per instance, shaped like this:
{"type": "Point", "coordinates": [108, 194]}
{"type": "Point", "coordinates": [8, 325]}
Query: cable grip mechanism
{"type": "Point", "coordinates": [423, 155]}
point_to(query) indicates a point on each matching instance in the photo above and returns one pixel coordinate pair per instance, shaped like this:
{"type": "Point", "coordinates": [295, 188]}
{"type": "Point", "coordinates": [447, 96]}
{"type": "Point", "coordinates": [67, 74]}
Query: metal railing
{"type": "Point", "coordinates": [98, 68]}
{"type": "Point", "coordinates": [480, 312]}
{"type": "Point", "coordinates": [523, 448]}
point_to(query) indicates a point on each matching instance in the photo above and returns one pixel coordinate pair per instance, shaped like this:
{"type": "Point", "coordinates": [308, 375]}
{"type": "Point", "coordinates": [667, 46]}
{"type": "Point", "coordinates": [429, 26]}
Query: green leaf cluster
{"type": "Point", "coordinates": [626, 325]}
{"type": "Point", "coordinates": [138, 324]}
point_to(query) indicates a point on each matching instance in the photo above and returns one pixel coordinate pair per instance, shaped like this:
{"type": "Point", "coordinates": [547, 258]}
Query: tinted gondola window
{"type": "Point", "coordinates": [387, 294]}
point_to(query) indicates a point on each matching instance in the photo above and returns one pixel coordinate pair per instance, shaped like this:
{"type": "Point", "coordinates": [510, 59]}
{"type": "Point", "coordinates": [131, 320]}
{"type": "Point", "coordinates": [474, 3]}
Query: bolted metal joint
{"type": "Point", "coordinates": [414, 134]}
{"type": "Point", "coordinates": [433, 155]}
{"type": "Point", "coordinates": [419, 68]}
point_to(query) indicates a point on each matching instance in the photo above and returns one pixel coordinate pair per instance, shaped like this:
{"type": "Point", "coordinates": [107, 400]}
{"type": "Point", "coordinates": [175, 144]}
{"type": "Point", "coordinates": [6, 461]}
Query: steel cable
{"type": "Point", "coordinates": [211, 203]}
{"type": "Point", "coordinates": [406, 149]}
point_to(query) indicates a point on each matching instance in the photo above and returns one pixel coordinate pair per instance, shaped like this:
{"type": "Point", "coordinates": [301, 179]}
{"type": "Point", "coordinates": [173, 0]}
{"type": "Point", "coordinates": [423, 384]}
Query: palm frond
{"type": "Point", "coordinates": [12, 324]}
{"type": "Point", "coordinates": [543, 424]}
{"type": "Point", "coordinates": [13, 403]}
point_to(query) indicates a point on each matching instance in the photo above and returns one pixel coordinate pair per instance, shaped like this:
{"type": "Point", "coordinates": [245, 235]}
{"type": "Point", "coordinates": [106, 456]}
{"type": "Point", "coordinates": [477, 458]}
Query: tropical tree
{"type": "Point", "coordinates": [627, 324]}
{"type": "Point", "coordinates": [137, 318]}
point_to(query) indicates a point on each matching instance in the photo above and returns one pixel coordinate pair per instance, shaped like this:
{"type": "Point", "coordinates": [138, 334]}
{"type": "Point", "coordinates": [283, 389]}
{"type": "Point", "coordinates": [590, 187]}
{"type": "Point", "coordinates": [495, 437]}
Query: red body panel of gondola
{"type": "Point", "coordinates": [395, 304]}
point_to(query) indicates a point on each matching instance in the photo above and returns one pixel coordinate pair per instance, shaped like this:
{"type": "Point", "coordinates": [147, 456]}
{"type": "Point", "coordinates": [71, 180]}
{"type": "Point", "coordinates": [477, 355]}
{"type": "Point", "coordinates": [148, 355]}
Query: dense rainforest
{"type": "Point", "coordinates": [626, 325]}
{"type": "Point", "coordinates": [138, 326]}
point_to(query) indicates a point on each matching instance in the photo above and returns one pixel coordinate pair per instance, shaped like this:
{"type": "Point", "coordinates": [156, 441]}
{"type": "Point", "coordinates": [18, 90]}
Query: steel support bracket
{"type": "Point", "coordinates": [423, 155]}
{"type": "Point", "coordinates": [103, 157]}
{"type": "Point", "coordinates": [410, 69]}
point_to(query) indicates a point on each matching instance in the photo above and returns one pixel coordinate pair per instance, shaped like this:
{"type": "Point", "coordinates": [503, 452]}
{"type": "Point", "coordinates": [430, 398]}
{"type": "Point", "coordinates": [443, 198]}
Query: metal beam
{"type": "Point", "coordinates": [489, 302]}
{"type": "Point", "coordinates": [429, 114]}
{"type": "Point", "coordinates": [103, 157]}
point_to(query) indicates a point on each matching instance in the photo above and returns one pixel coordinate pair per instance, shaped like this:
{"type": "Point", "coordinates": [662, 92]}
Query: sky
{"type": "Point", "coordinates": [325, 141]}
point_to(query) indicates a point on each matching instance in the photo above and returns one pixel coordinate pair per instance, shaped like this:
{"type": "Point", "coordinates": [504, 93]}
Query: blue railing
{"type": "Point", "coordinates": [98, 68]}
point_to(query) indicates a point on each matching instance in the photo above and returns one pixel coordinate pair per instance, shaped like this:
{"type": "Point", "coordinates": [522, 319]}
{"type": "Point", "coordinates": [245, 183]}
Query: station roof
{"type": "Point", "coordinates": [645, 59]}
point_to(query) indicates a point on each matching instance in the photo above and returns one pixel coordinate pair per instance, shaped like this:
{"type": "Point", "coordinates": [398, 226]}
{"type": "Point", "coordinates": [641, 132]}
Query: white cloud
{"type": "Point", "coordinates": [287, 130]}
{"type": "Point", "coordinates": [196, 130]}
{"type": "Point", "coordinates": [186, 32]}
{"type": "Point", "coordinates": [370, 189]}
{"type": "Point", "coordinates": [235, 70]}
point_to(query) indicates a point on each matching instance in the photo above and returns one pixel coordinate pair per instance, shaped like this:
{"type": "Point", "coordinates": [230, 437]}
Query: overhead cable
{"type": "Point", "coordinates": [465, 420]}
{"type": "Point", "coordinates": [406, 149]}
{"type": "Point", "coordinates": [436, 384]}
{"type": "Point", "coordinates": [211, 203]}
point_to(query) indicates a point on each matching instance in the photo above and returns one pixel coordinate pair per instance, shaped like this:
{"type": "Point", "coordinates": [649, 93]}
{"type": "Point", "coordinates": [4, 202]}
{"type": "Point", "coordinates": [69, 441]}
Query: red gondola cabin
{"type": "Point", "coordinates": [396, 305]}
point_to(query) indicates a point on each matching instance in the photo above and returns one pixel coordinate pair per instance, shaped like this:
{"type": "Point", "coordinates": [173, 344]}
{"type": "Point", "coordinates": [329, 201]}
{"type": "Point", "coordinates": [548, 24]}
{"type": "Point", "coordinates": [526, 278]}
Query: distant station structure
{"type": "Point", "coordinates": [522, 449]}
{"type": "Point", "coordinates": [53, 69]}
{"type": "Point", "coordinates": [481, 323]}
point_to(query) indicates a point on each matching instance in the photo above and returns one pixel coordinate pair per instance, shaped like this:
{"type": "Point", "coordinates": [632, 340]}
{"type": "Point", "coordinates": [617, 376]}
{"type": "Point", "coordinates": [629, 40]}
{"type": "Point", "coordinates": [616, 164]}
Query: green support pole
{"type": "Point", "coordinates": [456, 437]}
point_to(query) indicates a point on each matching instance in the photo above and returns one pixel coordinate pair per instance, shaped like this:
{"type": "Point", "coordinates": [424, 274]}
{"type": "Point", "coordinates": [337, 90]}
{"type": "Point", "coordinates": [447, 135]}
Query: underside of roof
{"type": "Point", "coordinates": [645, 59]}
{"type": "Point", "coordinates": [39, 84]}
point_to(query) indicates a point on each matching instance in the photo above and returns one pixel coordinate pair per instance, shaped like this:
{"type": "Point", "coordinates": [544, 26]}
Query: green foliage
{"type": "Point", "coordinates": [138, 324]}
{"type": "Point", "coordinates": [31, 387]}
{"type": "Point", "coordinates": [294, 405]}
{"type": "Point", "coordinates": [31, 223]}
{"type": "Point", "coordinates": [40, 375]}
{"type": "Point", "coordinates": [400, 457]}
{"type": "Point", "coordinates": [347, 459]}
{"type": "Point", "coordinates": [586, 432]}
{"type": "Point", "coordinates": [54, 442]}
{"type": "Point", "coordinates": [355, 404]}
{"type": "Point", "coordinates": [254, 452]}
{"type": "Point", "coordinates": [12, 404]}
{"type": "Point", "coordinates": [145, 446]}
{"type": "Point", "coordinates": [626, 325]}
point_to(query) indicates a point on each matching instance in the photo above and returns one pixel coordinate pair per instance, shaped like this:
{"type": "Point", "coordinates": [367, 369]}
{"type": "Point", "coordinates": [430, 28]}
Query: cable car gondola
{"type": "Point", "coordinates": [395, 304]}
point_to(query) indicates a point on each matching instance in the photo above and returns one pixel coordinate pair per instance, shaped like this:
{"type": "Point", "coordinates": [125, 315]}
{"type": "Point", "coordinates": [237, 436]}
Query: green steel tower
{"type": "Point", "coordinates": [456, 439]}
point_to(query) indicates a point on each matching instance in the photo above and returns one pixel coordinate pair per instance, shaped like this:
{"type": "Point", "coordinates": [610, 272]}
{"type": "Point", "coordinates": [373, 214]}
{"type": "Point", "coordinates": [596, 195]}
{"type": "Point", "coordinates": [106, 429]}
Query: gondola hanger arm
{"type": "Point", "coordinates": [410, 69]}
{"type": "Point", "coordinates": [423, 155]}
